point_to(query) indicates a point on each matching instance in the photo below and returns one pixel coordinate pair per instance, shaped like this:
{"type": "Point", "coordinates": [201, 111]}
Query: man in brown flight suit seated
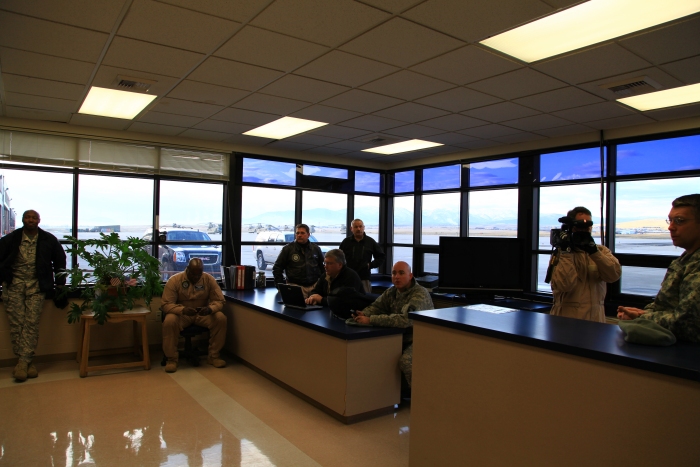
{"type": "Point", "coordinates": [193, 297]}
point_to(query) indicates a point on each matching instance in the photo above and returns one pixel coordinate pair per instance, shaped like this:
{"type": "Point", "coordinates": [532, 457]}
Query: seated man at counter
{"type": "Point", "coordinates": [677, 305]}
{"type": "Point", "coordinates": [392, 307]}
{"type": "Point", "coordinates": [584, 270]}
{"type": "Point", "coordinates": [301, 261]}
{"type": "Point", "coordinates": [193, 297]}
{"type": "Point", "coordinates": [337, 275]}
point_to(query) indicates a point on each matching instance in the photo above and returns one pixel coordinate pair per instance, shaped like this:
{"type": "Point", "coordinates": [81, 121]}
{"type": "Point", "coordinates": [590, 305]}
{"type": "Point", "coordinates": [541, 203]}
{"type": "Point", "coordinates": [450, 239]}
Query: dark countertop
{"type": "Point", "coordinates": [599, 341]}
{"type": "Point", "coordinates": [321, 320]}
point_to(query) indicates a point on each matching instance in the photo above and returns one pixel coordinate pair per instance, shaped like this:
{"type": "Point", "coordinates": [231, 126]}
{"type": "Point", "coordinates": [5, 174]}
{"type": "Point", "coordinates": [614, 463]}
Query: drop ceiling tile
{"type": "Point", "coordinates": [99, 15]}
{"type": "Point", "coordinates": [306, 89]}
{"type": "Point", "coordinates": [107, 77]}
{"type": "Point", "coordinates": [519, 138]}
{"type": "Point", "coordinates": [599, 87]}
{"type": "Point", "coordinates": [672, 113]}
{"type": "Point", "coordinates": [328, 151]}
{"type": "Point", "coordinates": [453, 122]}
{"type": "Point", "coordinates": [401, 43]}
{"type": "Point", "coordinates": [46, 37]}
{"type": "Point", "coordinates": [180, 107]}
{"type": "Point", "coordinates": [236, 10]}
{"type": "Point", "coordinates": [313, 139]}
{"type": "Point", "coordinates": [34, 114]}
{"type": "Point", "coordinates": [500, 112]}
{"type": "Point", "coordinates": [341, 132]}
{"type": "Point", "coordinates": [245, 116]}
{"type": "Point", "coordinates": [327, 23]}
{"type": "Point", "coordinates": [372, 123]}
{"type": "Point", "coordinates": [593, 112]}
{"type": "Point", "coordinates": [674, 42]}
{"type": "Point", "coordinates": [284, 144]}
{"type": "Point", "coordinates": [42, 66]}
{"type": "Point", "coordinates": [269, 49]}
{"type": "Point", "coordinates": [100, 122]}
{"type": "Point", "coordinates": [361, 101]}
{"type": "Point", "coordinates": [565, 130]}
{"type": "Point", "coordinates": [173, 26]}
{"type": "Point", "coordinates": [478, 144]}
{"type": "Point", "coordinates": [223, 127]}
{"type": "Point", "coordinates": [407, 85]}
{"type": "Point", "coordinates": [169, 119]}
{"type": "Point", "coordinates": [537, 122]}
{"type": "Point", "coordinates": [411, 112]}
{"type": "Point", "coordinates": [474, 21]}
{"type": "Point", "coordinates": [414, 131]}
{"type": "Point", "coordinates": [459, 67]}
{"type": "Point", "coordinates": [344, 68]}
{"type": "Point", "coordinates": [591, 64]}
{"type": "Point", "coordinates": [518, 83]}
{"type": "Point", "coordinates": [322, 113]}
{"type": "Point", "coordinates": [687, 70]}
{"type": "Point", "coordinates": [458, 99]}
{"type": "Point", "coordinates": [451, 138]}
{"type": "Point", "coordinates": [231, 74]}
{"type": "Point", "coordinates": [202, 134]}
{"type": "Point", "coordinates": [438, 150]}
{"type": "Point", "coordinates": [207, 93]}
{"type": "Point", "coordinates": [559, 99]}
{"type": "Point", "coordinates": [39, 102]}
{"type": "Point", "coordinates": [351, 145]}
{"type": "Point", "coordinates": [151, 128]}
{"type": "Point", "coordinates": [42, 87]}
{"type": "Point", "coordinates": [271, 104]}
{"type": "Point", "coordinates": [394, 6]}
{"type": "Point", "coordinates": [490, 131]}
{"type": "Point", "coordinates": [248, 140]}
{"type": "Point", "coordinates": [619, 122]}
{"type": "Point", "coordinates": [144, 56]}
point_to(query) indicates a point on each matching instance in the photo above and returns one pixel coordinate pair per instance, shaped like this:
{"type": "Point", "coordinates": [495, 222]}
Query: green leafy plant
{"type": "Point", "coordinates": [123, 273]}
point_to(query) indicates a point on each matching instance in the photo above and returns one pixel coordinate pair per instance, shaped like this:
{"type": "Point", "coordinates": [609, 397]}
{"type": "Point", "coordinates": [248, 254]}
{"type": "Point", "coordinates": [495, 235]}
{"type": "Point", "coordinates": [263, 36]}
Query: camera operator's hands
{"type": "Point", "coordinates": [584, 241]}
{"type": "Point", "coordinates": [564, 242]}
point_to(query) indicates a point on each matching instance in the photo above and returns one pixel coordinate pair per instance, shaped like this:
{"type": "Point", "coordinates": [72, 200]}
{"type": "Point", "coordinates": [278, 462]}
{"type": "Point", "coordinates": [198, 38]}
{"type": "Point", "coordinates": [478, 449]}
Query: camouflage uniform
{"type": "Point", "coordinates": [391, 310]}
{"type": "Point", "coordinates": [23, 301]}
{"type": "Point", "coordinates": [677, 305]}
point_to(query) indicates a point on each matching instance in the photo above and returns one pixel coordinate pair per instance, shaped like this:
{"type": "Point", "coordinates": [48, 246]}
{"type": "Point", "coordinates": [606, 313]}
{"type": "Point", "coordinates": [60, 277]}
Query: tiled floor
{"type": "Point", "coordinates": [195, 417]}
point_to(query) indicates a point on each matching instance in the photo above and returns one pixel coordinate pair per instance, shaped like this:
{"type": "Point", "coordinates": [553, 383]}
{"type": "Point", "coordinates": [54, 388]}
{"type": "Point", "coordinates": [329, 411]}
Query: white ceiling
{"type": "Point", "coordinates": [397, 69]}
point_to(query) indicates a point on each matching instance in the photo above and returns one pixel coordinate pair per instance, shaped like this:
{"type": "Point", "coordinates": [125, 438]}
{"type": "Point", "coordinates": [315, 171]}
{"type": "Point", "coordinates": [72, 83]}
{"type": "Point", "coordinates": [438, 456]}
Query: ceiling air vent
{"type": "Point", "coordinates": [380, 140]}
{"type": "Point", "coordinates": [129, 83]}
{"type": "Point", "coordinates": [632, 86]}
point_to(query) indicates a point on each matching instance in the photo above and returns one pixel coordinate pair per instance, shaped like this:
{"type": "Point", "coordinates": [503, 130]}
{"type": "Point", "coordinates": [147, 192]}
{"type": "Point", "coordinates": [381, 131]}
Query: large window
{"type": "Point", "coordinates": [325, 214]}
{"type": "Point", "coordinates": [664, 155]}
{"type": "Point", "coordinates": [441, 178]}
{"type": "Point", "coordinates": [403, 219]}
{"type": "Point", "coordinates": [493, 213]}
{"type": "Point", "coordinates": [556, 201]}
{"type": "Point", "coordinates": [497, 172]}
{"type": "Point", "coordinates": [440, 217]}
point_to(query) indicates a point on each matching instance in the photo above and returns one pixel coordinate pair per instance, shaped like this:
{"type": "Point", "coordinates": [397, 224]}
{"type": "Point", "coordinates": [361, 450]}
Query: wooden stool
{"type": "Point", "coordinates": [137, 315]}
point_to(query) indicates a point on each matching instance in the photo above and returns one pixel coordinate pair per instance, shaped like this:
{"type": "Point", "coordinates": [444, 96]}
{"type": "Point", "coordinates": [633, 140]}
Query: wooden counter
{"type": "Point", "coordinates": [525, 388]}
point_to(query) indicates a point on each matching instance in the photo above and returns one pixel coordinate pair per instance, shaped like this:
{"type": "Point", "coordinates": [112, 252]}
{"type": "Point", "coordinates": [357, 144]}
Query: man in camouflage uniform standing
{"type": "Point", "coordinates": [392, 307]}
{"type": "Point", "coordinates": [677, 305]}
{"type": "Point", "coordinates": [29, 258]}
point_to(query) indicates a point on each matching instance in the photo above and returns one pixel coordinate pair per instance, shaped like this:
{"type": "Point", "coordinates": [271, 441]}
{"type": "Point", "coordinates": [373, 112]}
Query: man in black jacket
{"type": "Point", "coordinates": [337, 275]}
{"type": "Point", "coordinates": [29, 259]}
{"type": "Point", "coordinates": [359, 250]}
{"type": "Point", "coordinates": [301, 261]}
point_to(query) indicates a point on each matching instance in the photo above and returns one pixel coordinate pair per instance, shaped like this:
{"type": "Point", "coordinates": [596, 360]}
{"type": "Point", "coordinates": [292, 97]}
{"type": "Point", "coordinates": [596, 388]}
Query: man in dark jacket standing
{"type": "Point", "coordinates": [29, 259]}
{"type": "Point", "coordinates": [301, 261]}
{"type": "Point", "coordinates": [359, 250]}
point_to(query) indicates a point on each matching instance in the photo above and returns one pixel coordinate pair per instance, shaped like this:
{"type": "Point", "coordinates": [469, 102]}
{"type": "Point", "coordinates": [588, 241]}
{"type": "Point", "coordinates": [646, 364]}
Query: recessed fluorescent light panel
{"type": "Point", "coordinates": [665, 98]}
{"type": "Point", "coordinates": [116, 104]}
{"type": "Point", "coordinates": [284, 128]}
{"type": "Point", "coordinates": [586, 24]}
{"type": "Point", "coordinates": [404, 146]}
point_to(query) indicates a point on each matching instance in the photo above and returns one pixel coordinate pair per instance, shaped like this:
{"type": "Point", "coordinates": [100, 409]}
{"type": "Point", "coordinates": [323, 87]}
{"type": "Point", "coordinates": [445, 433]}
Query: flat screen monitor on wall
{"type": "Point", "coordinates": [469, 264]}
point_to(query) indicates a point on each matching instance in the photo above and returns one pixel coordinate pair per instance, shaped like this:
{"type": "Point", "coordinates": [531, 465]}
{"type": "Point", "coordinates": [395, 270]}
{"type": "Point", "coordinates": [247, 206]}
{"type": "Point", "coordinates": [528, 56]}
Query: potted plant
{"type": "Point", "coordinates": [123, 273]}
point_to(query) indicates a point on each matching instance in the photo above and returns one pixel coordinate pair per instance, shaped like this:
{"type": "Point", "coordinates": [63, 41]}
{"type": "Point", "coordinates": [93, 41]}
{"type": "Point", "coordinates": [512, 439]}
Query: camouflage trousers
{"type": "Point", "coordinates": [406, 363]}
{"type": "Point", "coordinates": [23, 303]}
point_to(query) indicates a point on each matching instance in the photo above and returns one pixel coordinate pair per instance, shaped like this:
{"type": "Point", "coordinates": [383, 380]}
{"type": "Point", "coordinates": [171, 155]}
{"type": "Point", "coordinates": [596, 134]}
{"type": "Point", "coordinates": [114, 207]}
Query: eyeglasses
{"type": "Point", "coordinates": [677, 220]}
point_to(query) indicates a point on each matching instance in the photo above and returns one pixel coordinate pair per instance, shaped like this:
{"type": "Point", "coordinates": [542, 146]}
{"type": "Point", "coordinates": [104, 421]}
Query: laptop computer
{"type": "Point", "coordinates": [293, 297]}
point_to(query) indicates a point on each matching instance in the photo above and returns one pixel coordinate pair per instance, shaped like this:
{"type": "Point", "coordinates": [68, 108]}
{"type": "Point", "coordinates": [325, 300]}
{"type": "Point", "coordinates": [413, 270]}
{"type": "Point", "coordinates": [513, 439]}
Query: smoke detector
{"type": "Point", "coordinates": [632, 86]}
{"type": "Point", "coordinates": [129, 83]}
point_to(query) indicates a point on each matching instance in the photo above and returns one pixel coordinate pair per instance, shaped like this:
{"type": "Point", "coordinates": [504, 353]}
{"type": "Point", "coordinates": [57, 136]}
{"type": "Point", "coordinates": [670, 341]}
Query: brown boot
{"type": "Point", "coordinates": [20, 372]}
{"type": "Point", "coordinates": [31, 371]}
{"type": "Point", "coordinates": [171, 366]}
{"type": "Point", "coordinates": [216, 362]}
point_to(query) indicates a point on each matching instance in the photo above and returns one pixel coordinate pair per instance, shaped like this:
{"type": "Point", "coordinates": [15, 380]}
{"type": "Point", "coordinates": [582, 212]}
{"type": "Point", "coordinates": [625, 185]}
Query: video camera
{"type": "Point", "coordinates": [561, 238]}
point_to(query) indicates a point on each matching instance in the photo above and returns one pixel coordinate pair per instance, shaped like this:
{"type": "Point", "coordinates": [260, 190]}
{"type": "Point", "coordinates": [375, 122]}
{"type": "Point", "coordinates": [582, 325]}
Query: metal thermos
{"type": "Point", "coordinates": [260, 281]}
